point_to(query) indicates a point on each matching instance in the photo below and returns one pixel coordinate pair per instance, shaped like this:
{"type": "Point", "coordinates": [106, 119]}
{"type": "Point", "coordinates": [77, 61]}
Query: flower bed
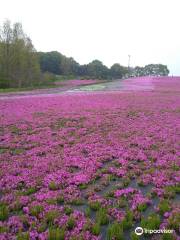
{"type": "Point", "coordinates": [73, 165]}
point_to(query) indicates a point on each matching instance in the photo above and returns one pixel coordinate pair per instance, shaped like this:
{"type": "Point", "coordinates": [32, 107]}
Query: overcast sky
{"type": "Point", "coordinates": [108, 30]}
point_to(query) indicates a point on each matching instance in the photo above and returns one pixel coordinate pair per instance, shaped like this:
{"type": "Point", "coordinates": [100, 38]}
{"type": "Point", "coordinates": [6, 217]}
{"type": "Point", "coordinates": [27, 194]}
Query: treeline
{"type": "Point", "coordinates": [21, 66]}
{"type": "Point", "coordinates": [59, 64]}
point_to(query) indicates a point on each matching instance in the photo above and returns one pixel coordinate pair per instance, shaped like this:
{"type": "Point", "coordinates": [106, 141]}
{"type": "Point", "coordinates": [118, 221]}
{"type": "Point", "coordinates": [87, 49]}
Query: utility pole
{"type": "Point", "coordinates": [129, 58]}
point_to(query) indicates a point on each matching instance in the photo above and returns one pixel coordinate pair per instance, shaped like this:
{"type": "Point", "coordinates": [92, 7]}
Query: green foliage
{"type": "Point", "coordinates": [164, 206]}
{"type": "Point", "coordinates": [68, 210]}
{"type": "Point", "coordinates": [60, 199]}
{"type": "Point", "coordinates": [102, 216]}
{"type": "Point", "coordinates": [42, 227]}
{"type": "Point", "coordinates": [53, 186]}
{"type": "Point", "coordinates": [19, 65]}
{"type": "Point", "coordinates": [170, 191]}
{"type": "Point", "coordinates": [168, 236]}
{"type": "Point", "coordinates": [77, 202]}
{"type": "Point", "coordinates": [95, 205]}
{"type": "Point", "coordinates": [127, 222]}
{"type": "Point", "coordinates": [23, 236]}
{"type": "Point", "coordinates": [88, 212]}
{"type": "Point", "coordinates": [122, 202]}
{"type": "Point", "coordinates": [71, 223]}
{"type": "Point", "coordinates": [109, 194]}
{"type": "Point", "coordinates": [173, 221]}
{"type": "Point", "coordinates": [50, 216]}
{"type": "Point", "coordinates": [4, 212]}
{"type": "Point", "coordinates": [134, 236]}
{"type": "Point", "coordinates": [36, 210]}
{"type": "Point", "coordinates": [3, 229]}
{"type": "Point", "coordinates": [126, 182]}
{"type": "Point", "coordinates": [96, 229]}
{"type": "Point", "coordinates": [30, 191]}
{"type": "Point", "coordinates": [118, 71]}
{"type": "Point", "coordinates": [56, 234]}
{"type": "Point", "coordinates": [152, 222]}
{"type": "Point", "coordinates": [142, 207]}
{"type": "Point", "coordinates": [115, 231]}
{"type": "Point", "coordinates": [83, 186]}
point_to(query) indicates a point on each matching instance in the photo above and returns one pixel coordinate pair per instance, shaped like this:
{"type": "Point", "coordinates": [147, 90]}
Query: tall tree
{"type": "Point", "coordinates": [19, 65]}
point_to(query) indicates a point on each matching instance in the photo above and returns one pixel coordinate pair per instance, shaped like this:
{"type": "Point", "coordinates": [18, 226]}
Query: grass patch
{"type": "Point", "coordinates": [115, 231]}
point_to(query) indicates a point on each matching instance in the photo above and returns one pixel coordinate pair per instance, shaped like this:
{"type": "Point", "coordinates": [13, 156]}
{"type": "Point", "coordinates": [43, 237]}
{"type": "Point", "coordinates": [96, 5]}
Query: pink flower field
{"type": "Point", "coordinates": [91, 166]}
